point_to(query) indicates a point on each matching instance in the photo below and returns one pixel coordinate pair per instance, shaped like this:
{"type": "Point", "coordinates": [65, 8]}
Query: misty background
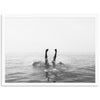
{"type": "Point", "coordinates": [35, 34]}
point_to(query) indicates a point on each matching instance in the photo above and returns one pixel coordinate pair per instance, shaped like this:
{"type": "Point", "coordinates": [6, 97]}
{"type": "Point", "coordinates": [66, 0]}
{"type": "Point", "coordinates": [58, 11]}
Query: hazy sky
{"type": "Point", "coordinates": [30, 34]}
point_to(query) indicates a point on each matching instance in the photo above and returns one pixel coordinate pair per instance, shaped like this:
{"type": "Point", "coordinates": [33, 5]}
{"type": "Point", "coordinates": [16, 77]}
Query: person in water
{"type": "Point", "coordinates": [47, 64]}
{"type": "Point", "coordinates": [46, 57]}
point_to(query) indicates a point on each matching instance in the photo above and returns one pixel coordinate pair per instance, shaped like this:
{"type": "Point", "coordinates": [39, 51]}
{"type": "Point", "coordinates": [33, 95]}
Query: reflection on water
{"type": "Point", "coordinates": [74, 68]}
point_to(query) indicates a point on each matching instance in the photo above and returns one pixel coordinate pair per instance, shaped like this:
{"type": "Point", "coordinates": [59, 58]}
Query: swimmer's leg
{"type": "Point", "coordinates": [54, 58]}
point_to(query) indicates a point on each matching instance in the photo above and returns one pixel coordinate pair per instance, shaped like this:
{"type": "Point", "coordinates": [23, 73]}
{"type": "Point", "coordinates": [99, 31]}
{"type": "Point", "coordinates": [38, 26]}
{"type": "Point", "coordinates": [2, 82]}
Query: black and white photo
{"type": "Point", "coordinates": [48, 49]}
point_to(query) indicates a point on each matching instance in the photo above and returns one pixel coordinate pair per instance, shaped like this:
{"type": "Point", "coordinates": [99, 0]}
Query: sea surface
{"type": "Point", "coordinates": [20, 68]}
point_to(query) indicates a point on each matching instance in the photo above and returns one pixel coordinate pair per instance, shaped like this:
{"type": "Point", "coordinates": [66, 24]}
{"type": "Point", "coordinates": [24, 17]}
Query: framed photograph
{"type": "Point", "coordinates": [49, 50]}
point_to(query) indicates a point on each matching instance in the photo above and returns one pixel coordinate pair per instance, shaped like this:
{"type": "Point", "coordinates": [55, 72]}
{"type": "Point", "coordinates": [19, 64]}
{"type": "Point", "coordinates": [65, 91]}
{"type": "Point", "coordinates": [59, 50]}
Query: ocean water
{"type": "Point", "coordinates": [19, 68]}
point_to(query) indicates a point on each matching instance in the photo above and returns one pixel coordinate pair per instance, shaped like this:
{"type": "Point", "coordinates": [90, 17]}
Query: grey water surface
{"type": "Point", "coordinates": [70, 68]}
